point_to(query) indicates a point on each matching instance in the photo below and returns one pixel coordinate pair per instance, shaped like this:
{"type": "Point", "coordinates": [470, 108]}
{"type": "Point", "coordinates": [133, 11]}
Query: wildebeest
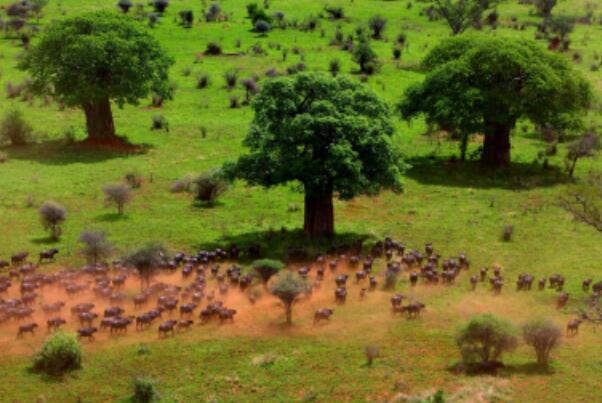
{"type": "Point", "coordinates": [49, 254]}
{"type": "Point", "coordinates": [83, 307]}
{"type": "Point", "coordinates": [541, 284]}
{"type": "Point", "coordinates": [413, 278]}
{"type": "Point", "coordinates": [187, 309]}
{"type": "Point", "coordinates": [473, 282]}
{"type": "Point", "coordinates": [340, 295]}
{"type": "Point", "coordinates": [413, 309]}
{"type": "Point", "coordinates": [86, 318]}
{"type": "Point", "coordinates": [396, 300]}
{"type": "Point", "coordinates": [185, 324]}
{"type": "Point", "coordinates": [3, 264]}
{"type": "Point", "coordinates": [28, 328]}
{"type": "Point", "coordinates": [226, 315]}
{"type": "Point", "coordinates": [563, 298]}
{"type": "Point", "coordinates": [323, 314]}
{"type": "Point", "coordinates": [113, 311]}
{"type": "Point", "coordinates": [524, 282]}
{"type": "Point", "coordinates": [86, 332]}
{"type": "Point", "coordinates": [18, 258]}
{"type": "Point", "coordinates": [54, 323]}
{"type": "Point", "coordinates": [167, 327]}
{"type": "Point", "coordinates": [586, 284]}
{"type": "Point", "coordinates": [341, 280]}
{"type": "Point", "coordinates": [572, 328]}
{"type": "Point", "coordinates": [483, 273]}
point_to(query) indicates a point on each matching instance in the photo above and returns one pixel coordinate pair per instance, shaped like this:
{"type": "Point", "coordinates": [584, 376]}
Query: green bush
{"type": "Point", "coordinates": [208, 187]}
{"type": "Point", "coordinates": [266, 268]}
{"type": "Point", "coordinates": [14, 129]}
{"type": "Point", "coordinates": [485, 338]}
{"type": "Point", "coordinates": [60, 353]}
{"type": "Point", "coordinates": [145, 390]}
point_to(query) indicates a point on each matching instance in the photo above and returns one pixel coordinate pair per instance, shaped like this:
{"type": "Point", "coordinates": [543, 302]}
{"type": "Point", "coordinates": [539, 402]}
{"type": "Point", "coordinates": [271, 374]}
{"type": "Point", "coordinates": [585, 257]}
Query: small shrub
{"type": "Point", "coordinates": [507, 232]}
{"type": "Point", "coordinates": [543, 336]}
{"type": "Point", "coordinates": [213, 13]}
{"type": "Point", "coordinates": [234, 102]}
{"type": "Point", "coordinates": [334, 67]}
{"type": "Point", "coordinates": [250, 86]}
{"type": "Point", "coordinates": [145, 390]}
{"type": "Point", "coordinates": [372, 352]}
{"type": "Point", "coordinates": [125, 5]}
{"type": "Point", "coordinates": [153, 18]}
{"type": "Point", "coordinates": [213, 49]}
{"type": "Point", "coordinates": [186, 18]}
{"type": "Point", "coordinates": [96, 247]}
{"type": "Point", "coordinates": [203, 81]}
{"type": "Point", "coordinates": [52, 216]}
{"type": "Point", "coordinates": [160, 6]}
{"type": "Point", "coordinates": [336, 13]}
{"type": "Point", "coordinates": [288, 287]}
{"type": "Point", "coordinates": [231, 76]}
{"type": "Point", "coordinates": [262, 27]}
{"type": "Point", "coordinates": [134, 180]}
{"type": "Point", "coordinates": [181, 185]}
{"type": "Point", "coordinates": [377, 24]}
{"type": "Point", "coordinates": [209, 186]}
{"type": "Point", "coordinates": [484, 339]}
{"type": "Point", "coordinates": [159, 122]}
{"type": "Point", "coordinates": [266, 268]}
{"type": "Point", "coordinates": [60, 353]}
{"type": "Point", "coordinates": [119, 195]}
{"type": "Point", "coordinates": [3, 157]}
{"type": "Point", "coordinates": [143, 349]}
{"type": "Point", "coordinates": [14, 129]}
{"type": "Point", "coordinates": [396, 53]}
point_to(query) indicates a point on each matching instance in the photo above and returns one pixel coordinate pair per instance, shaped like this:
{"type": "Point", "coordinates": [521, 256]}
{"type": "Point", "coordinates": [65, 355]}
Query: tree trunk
{"type": "Point", "coordinates": [496, 149]}
{"type": "Point", "coordinates": [99, 120]}
{"type": "Point", "coordinates": [319, 214]}
{"type": "Point", "coordinates": [289, 314]}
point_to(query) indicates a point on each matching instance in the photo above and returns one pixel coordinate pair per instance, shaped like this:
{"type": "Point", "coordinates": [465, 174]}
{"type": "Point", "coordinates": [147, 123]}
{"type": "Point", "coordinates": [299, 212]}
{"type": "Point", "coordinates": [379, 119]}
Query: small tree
{"type": "Point", "coordinates": [543, 336]}
{"type": "Point", "coordinates": [145, 390]}
{"type": "Point", "coordinates": [266, 268]}
{"type": "Point", "coordinates": [37, 6]}
{"type": "Point", "coordinates": [262, 27]}
{"type": "Point", "coordinates": [119, 195]}
{"type": "Point", "coordinates": [251, 88]}
{"type": "Point", "coordinates": [288, 288]}
{"type": "Point", "coordinates": [209, 186]}
{"type": "Point", "coordinates": [52, 216]}
{"type": "Point", "coordinates": [461, 14]}
{"type": "Point", "coordinates": [585, 146]}
{"type": "Point", "coordinates": [334, 66]}
{"type": "Point", "coordinates": [104, 56]}
{"type": "Point", "coordinates": [584, 201]}
{"type": "Point", "coordinates": [96, 247]}
{"type": "Point", "coordinates": [60, 353]}
{"type": "Point", "coordinates": [544, 7]}
{"type": "Point", "coordinates": [146, 261]}
{"type": "Point", "coordinates": [14, 129]}
{"type": "Point", "coordinates": [485, 338]}
{"type": "Point", "coordinates": [377, 24]}
{"type": "Point", "coordinates": [125, 5]}
{"type": "Point", "coordinates": [365, 56]}
{"type": "Point", "coordinates": [231, 76]}
{"type": "Point", "coordinates": [562, 26]}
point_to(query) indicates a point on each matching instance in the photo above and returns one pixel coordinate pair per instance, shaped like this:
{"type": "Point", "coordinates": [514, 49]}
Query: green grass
{"type": "Point", "coordinates": [457, 207]}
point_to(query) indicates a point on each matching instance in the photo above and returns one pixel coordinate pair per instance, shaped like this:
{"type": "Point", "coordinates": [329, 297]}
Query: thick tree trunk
{"type": "Point", "coordinates": [319, 214]}
{"type": "Point", "coordinates": [496, 149]}
{"type": "Point", "coordinates": [99, 120]}
{"type": "Point", "coordinates": [289, 314]}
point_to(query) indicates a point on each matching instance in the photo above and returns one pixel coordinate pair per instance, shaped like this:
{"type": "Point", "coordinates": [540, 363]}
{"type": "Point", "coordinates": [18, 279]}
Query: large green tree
{"type": "Point", "coordinates": [331, 135]}
{"type": "Point", "coordinates": [485, 85]}
{"type": "Point", "coordinates": [92, 59]}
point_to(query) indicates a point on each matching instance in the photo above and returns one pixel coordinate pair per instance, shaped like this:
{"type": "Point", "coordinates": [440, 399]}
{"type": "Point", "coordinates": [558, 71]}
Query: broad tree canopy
{"type": "Point", "coordinates": [485, 85]}
{"type": "Point", "coordinates": [88, 60]}
{"type": "Point", "coordinates": [332, 135]}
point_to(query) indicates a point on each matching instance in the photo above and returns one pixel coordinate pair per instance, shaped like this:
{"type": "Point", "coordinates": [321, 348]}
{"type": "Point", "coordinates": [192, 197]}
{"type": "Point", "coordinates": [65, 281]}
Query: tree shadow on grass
{"type": "Point", "coordinates": [288, 245]}
{"type": "Point", "coordinates": [110, 217]}
{"type": "Point", "coordinates": [499, 369]}
{"type": "Point", "coordinates": [518, 176]}
{"type": "Point", "coordinates": [59, 152]}
{"type": "Point", "coordinates": [46, 240]}
{"type": "Point", "coordinates": [531, 368]}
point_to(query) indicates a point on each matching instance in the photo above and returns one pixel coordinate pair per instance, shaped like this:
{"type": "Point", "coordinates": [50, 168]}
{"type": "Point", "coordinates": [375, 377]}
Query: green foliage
{"type": "Point", "coordinates": [485, 338]}
{"type": "Point", "coordinates": [59, 354]}
{"type": "Point", "coordinates": [266, 268]}
{"type": "Point", "coordinates": [209, 186]}
{"type": "Point", "coordinates": [562, 25]}
{"type": "Point", "coordinates": [377, 24]}
{"type": "Point", "coordinates": [52, 216]}
{"type": "Point", "coordinates": [145, 390]}
{"type": "Point", "coordinates": [461, 14]}
{"type": "Point", "coordinates": [481, 84]}
{"type": "Point", "coordinates": [96, 247]}
{"type": "Point", "coordinates": [543, 335]}
{"type": "Point", "coordinates": [14, 129]}
{"type": "Point", "coordinates": [98, 55]}
{"type": "Point", "coordinates": [365, 56]}
{"type": "Point", "coordinates": [288, 287]}
{"type": "Point", "coordinates": [545, 7]}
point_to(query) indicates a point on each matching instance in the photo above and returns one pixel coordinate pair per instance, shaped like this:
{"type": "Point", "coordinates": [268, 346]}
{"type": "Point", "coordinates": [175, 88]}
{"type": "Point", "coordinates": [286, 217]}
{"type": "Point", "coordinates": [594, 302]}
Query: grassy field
{"type": "Point", "coordinates": [458, 207]}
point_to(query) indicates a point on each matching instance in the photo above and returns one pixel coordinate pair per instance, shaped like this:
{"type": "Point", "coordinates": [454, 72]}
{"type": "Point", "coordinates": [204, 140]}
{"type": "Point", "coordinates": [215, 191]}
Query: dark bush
{"type": "Point", "coordinates": [213, 49]}
{"type": "Point", "coordinates": [125, 5]}
{"type": "Point", "coordinates": [266, 268]}
{"type": "Point", "coordinates": [334, 67]}
{"type": "Point", "coordinates": [96, 248]}
{"type": "Point", "coordinates": [231, 76]}
{"type": "Point", "coordinates": [145, 390]}
{"type": "Point", "coordinates": [119, 195]}
{"type": "Point", "coordinates": [507, 232]}
{"type": "Point", "coordinates": [396, 53]}
{"type": "Point", "coordinates": [160, 5]}
{"type": "Point", "coordinates": [203, 81]}
{"type": "Point", "coordinates": [52, 216]}
{"type": "Point", "coordinates": [234, 102]}
{"type": "Point", "coordinates": [262, 27]}
{"type": "Point", "coordinates": [146, 261]}
{"type": "Point", "coordinates": [372, 352]}
{"type": "Point", "coordinates": [60, 353]}
{"type": "Point", "coordinates": [186, 18]}
{"type": "Point", "coordinates": [14, 129]}
{"type": "Point", "coordinates": [377, 24]}
{"type": "Point", "coordinates": [134, 180]}
{"type": "Point", "coordinates": [159, 122]}
{"type": "Point", "coordinates": [213, 13]}
{"type": "Point", "coordinates": [209, 186]}
{"type": "Point", "coordinates": [336, 13]}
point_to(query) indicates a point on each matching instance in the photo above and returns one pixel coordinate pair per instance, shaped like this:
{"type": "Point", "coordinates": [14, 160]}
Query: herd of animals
{"type": "Point", "coordinates": [175, 306]}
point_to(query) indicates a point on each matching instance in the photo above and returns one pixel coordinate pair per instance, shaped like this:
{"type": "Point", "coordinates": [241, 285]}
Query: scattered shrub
{"type": "Point", "coordinates": [160, 6]}
{"type": "Point", "coordinates": [186, 18]}
{"type": "Point", "coordinates": [336, 13]}
{"type": "Point", "coordinates": [119, 195]}
{"type": "Point", "coordinates": [145, 390]}
{"type": "Point", "coordinates": [377, 24]}
{"type": "Point", "coordinates": [364, 55]}
{"type": "Point", "coordinates": [585, 146]}
{"type": "Point", "coordinates": [181, 185]}
{"type": "Point", "coordinates": [266, 268]}
{"type": "Point", "coordinates": [3, 157]}
{"type": "Point", "coordinates": [231, 76]}
{"type": "Point", "coordinates": [262, 27]}
{"type": "Point", "coordinates": [250, 86]}
{"type": "Point", "coordinates": [334, 67]}
{"type": "Point", "coordinates": [52, 216]}
{"type": "Point", "coordinates": [288, 287]}
{"type": "Point", "coordinates": [203, 81]}
{"type": "Point", "coordinates": [96, 248]}
{"type": "Point", "coordinates": [396, 53]}
{"type": "Point", "coordinates": [159, 122]}
{"type": "Point", "coordinates": [213, 49]}
{"type": "Point", "coordinates": [134, 180]}
{"type": "Point", "coordinates": [59, 354]}
{"type": "Point", "coordinates": [125, 5]}
{"type": "Point", "coordinates": [146, 261]}
{"type": "Point", "coordinates": [543, 336]}
{"type": "Point", "coordinates": [507, 232]}
{"type": "Point", "coordinates": [14, 129]}
{"type": "Point", "coordinates": [213, 13]}
{"type": "Point", "coordinates": [153, 18]}
{"type": "Point", "coordinates": [209, 186]}
{"type": "Point", "coordinates": [372, 353]}
{"type": "Point", "coordinates": [234, 102]}
{"type": "Point", "coordinates": [484, 339]}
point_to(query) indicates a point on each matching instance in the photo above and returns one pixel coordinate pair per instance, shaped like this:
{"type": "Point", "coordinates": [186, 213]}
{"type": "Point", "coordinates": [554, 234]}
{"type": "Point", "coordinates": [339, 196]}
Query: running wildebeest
{"type": "Point", "coordinates": [49, 254]}
{"type": "Point", "coordinates": [167, 327]}
{"type": "Point", "coordinates": [28, 328]}
{"type": "Point", "coordinates": [323, 314]}
{"type": "Point", "coordinates": [572, 328]}
{"type": "Point", "coordinates": [86, 332]}
{"type": "Point", "coordinates": [55, 323]}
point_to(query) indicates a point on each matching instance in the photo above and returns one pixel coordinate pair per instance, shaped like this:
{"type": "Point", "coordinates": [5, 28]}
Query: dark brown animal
{"type": "Point", "coordinates": [572, 328]}
{"type": "Point", "coordinates": [28, 328]}
{"type": "Point", "coordinates": [323, 314]}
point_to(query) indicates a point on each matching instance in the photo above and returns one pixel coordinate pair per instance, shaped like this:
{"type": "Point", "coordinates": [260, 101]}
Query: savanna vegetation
{"type": "Point", "coordinates": [314, 200]}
